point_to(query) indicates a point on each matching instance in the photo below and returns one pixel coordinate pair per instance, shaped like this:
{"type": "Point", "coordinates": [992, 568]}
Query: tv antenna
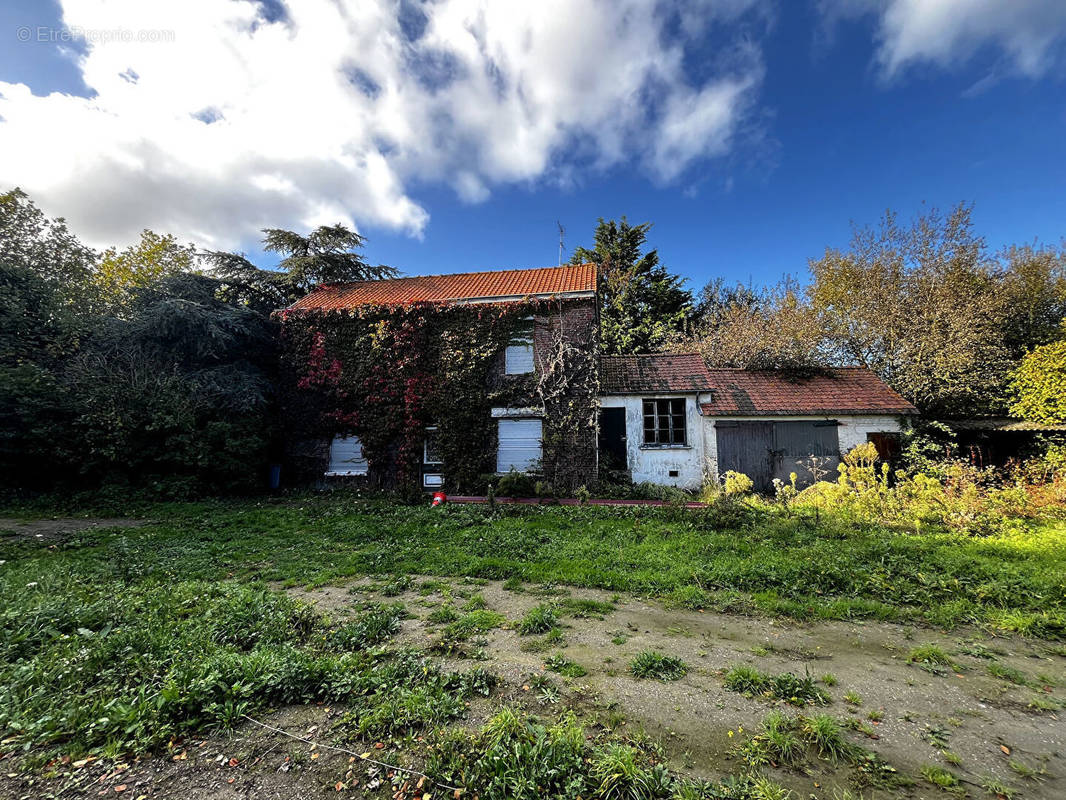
{"type": "Point", "coordinates": [562, 235]}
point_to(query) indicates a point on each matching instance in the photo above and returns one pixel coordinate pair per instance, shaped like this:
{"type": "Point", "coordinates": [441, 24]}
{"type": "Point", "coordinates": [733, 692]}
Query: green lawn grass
{"type": "Point", "coordinates": [115, 640]}
{"type": "Point", "coordinates": [770, 564]}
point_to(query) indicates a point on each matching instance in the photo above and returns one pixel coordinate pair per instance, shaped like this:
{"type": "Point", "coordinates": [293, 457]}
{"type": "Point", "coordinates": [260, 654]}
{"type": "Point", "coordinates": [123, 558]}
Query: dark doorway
{"type": "Point", "coordinates": [746, 447]}
{"type": "Point", "coordinates": [613, 439]}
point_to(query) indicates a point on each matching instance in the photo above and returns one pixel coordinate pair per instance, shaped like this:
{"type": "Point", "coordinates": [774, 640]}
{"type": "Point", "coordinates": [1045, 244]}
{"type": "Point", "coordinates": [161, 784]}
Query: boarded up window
{"type": "Point", "coordinates": [346, 456]}
{"type": "Point", "coordinates": [519, 445]}
{"type": "Point", "coordinates": [518, 357]}
{"type": "Point", "coordinates": [664, 421]}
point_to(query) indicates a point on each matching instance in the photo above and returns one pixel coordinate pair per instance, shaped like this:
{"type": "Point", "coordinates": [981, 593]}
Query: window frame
{"type": "Point", "coordinates": [658, 416]}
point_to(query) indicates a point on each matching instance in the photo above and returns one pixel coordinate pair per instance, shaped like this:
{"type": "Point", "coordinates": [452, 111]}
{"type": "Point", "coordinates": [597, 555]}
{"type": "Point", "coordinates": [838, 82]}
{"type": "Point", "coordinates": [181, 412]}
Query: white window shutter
{"type": "Point", "coordinates": [518, 357]}
{"type": "Point", "coordinates": [346, 456]}
{"type": "Point", "coordinates": [519, 445]}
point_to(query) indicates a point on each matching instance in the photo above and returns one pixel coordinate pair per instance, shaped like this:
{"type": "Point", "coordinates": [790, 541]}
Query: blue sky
{"type": "Point", "coordinates": [752, 136]}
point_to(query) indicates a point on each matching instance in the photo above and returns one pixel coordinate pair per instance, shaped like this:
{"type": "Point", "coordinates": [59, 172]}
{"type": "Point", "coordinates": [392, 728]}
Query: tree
{"type": "Point", "coordinates": [326, 255]}
{"type": "Point", "coordinates": [1032, 294]}
{"type": "Point", "coordinates": [45, 247]}
{"type": "Point", "coordinates": [642, 305]}
{"type": "Point", "coordinates": [1039, 383]}
{"type": "Point", "coordinates": [152, 258]}
{"type": "Point", "coordinates": [756, 328]}
{"type": "Point", "coordinates": [45, 311]}
{"type": "Point", "coordinates": [178, 392]}
{"type": "Point", "coordinates": [920, 306]}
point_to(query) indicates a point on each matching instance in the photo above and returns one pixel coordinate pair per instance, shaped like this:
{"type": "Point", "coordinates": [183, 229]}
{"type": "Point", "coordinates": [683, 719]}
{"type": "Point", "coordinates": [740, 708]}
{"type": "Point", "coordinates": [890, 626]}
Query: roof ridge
{"type": "Point", "coordinates": [458, 274]}
{"type": "Point", "coordinates": [649, 355]}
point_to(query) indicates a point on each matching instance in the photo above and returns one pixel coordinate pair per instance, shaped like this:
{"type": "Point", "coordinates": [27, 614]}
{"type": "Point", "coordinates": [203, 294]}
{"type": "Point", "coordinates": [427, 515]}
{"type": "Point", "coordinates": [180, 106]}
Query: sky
{"type": "Point", "coordinates": [457, 135]}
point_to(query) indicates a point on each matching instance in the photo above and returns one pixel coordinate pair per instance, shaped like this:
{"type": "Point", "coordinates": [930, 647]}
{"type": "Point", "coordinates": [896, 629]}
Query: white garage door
{"type": "Point", "coordinates": [519, 446]}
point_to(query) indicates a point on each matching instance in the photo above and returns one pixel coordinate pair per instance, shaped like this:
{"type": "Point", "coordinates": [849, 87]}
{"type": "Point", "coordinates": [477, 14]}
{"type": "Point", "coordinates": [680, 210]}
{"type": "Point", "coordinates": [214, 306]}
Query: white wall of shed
{"type": "Point", "coordinates": [653, 464]}
{"type": "Point", "coordinates": [851, 431]}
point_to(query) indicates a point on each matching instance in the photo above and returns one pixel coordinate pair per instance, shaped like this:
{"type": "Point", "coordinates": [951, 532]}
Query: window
{"type": "Point", "coordinates": [519, 445]}
{"type": "Point", "coordinates": [518, 357]}
{"type": "Point", "coordinates": [431, 447]}
{"type": "Point", "coordinates": [888, 444]}
{"type": "Point", "coordinates": [664, 422]}
{"type": "Point", "coordinates": [346, 456]}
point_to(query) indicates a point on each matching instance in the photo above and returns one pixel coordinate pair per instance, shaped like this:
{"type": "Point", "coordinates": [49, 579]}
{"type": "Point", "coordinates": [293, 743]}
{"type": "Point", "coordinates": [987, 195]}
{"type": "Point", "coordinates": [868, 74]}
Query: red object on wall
{"type": "Point", "coordinates": [439, 498]}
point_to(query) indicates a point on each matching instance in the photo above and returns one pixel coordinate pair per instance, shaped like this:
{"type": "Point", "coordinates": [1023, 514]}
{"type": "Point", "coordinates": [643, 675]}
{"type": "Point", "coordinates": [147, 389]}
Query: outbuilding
{"type": "Point", "coordinates": [667, 418]}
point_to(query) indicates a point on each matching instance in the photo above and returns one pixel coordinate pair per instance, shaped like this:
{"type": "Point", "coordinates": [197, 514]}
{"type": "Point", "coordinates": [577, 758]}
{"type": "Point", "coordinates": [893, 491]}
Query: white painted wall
{"type": "Point", "coordinates": [851, 431]}
{"type": "Point", "coordinates": [653, 464]}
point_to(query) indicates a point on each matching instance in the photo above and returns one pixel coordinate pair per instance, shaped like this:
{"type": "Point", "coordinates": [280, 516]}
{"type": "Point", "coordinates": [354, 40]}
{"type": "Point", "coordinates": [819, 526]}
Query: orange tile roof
{"type": "Point", "coordinates": [466, 286]}
{"type": "Point", "coordinates": [662, 372]}
{"type": "Point", "coordinates": [843, 390]}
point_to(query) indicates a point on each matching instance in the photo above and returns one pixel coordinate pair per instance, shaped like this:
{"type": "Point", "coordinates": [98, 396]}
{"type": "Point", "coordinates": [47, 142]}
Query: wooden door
{"type": "Point", "coordinates": [746, 447]}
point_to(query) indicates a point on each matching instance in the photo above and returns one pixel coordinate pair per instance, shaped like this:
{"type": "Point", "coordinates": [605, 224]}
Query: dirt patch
{"type": "Point", "coordinates": [50, 530]}
{"type": "Point", "coordinates": [913, 717]}
{"type": "Point", "coordinates": [918, 715]}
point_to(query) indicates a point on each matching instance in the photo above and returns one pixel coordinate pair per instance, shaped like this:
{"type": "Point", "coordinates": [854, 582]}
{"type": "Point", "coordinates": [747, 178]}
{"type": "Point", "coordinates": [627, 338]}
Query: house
{"type": "Point", "coordinates": [667, 418]}
{"type": "Point", "coordinates": [440, 380]}
{"type": "Point", "coordinates": [449, 380]}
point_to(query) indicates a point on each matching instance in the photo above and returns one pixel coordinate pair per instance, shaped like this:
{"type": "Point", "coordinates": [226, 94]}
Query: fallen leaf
{"type": "Point", "coordinates": [120, 788]}
{"type": "Point", "coordinates": [379, 746]}
{"type": "Point", "coordinates": [338, 786]}
{"type": "Point", "coordinates": [233, 762]}
{"type": "Point", "coordinates": [315, 755]}
{"type": "Point", "coordinates": [365, 755]}
{"type": "Point", "coordinates": [1005, 749]}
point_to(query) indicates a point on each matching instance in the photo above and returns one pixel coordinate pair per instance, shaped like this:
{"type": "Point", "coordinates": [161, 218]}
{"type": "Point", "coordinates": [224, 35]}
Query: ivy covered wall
{"type": "Point", "coordinates": [385, 373]}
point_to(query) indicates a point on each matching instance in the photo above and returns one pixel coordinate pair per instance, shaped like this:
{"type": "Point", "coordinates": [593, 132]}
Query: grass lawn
{"type": "Point", "coordinates": [765, 563]}
{"type": "Point", "coordinates": [118, 639]}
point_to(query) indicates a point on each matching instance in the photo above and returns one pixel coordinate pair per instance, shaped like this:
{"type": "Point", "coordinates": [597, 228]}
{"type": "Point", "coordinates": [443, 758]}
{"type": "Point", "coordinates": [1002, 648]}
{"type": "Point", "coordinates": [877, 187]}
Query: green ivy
{"type": "Point", "coordinates": [385, 373]}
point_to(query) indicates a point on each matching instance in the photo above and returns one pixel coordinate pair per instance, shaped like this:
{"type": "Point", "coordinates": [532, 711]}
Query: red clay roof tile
{"type": "Point", "coordinates": [843, 390]}
{"type": "Point", "coordinates": [664, 372]}
{"type": "Point", "coordinates": [739, 392]}
{"type": "Point", "coordinates": [497, 285]}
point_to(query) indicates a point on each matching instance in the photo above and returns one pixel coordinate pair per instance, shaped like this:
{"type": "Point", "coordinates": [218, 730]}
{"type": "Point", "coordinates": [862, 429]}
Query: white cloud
{"type": "Point", "coordinates": [337, 109]}
{"type": "Point", "coordinates": [1029, 33]}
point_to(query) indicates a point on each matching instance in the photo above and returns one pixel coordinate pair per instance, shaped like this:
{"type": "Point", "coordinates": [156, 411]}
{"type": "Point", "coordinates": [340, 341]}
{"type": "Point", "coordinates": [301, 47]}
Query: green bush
{"type": "Point", "coordinates": [516, 484]}
{"type": "Point", "coordinates": [737, 483]}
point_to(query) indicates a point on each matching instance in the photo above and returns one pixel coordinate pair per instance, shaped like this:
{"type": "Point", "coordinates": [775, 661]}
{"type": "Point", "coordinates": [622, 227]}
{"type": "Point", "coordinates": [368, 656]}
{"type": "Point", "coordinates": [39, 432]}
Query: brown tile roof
{"type": "Point", "coordinates": [498, 285]}
{"type": "Point", "coordinates": [665, 372]}
{"type": "Point", "coordinates": [844, 390]}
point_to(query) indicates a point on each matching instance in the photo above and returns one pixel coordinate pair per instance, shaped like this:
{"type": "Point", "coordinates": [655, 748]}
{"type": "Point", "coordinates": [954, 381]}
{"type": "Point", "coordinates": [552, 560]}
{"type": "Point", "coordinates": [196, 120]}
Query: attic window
{"type": "Point", "coordinates": [518, 357]}
{"type": "Point", "coordinates": [664, 422]}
